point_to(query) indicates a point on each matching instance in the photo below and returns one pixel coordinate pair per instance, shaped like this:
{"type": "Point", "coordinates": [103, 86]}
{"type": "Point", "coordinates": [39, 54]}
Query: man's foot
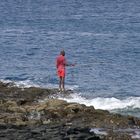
{"type": "Point", "coordinates": [62, 89]}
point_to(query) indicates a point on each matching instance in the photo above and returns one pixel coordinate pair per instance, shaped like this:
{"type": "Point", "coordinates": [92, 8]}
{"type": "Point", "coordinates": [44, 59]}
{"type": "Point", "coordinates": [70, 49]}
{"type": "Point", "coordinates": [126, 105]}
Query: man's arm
{"type": "Point", "coordinates": [68, 64]}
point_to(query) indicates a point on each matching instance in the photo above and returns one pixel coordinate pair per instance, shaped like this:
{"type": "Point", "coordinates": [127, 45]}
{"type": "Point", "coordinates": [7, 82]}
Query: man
{"type": "Point", "coordinates": [60, 65]}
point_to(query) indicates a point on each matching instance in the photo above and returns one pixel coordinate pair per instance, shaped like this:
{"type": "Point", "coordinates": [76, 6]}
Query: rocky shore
{"type": "Point", "coordinates": [25, 115]}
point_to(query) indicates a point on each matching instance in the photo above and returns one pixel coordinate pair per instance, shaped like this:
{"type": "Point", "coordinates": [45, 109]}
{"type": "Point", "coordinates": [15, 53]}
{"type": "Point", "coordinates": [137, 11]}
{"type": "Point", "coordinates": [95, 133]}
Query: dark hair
{"type": "Point", "coordinates": [62, 52]}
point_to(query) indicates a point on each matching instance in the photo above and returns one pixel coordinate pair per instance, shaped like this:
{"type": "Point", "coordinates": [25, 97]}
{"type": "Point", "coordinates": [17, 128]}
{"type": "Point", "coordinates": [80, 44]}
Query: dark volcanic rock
{"type": "Point", "coordinates": [46, 132]}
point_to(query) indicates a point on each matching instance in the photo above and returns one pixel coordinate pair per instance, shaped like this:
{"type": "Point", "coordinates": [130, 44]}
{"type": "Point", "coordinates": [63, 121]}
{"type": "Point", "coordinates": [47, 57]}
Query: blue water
{"type": "Point", "coordinates": [101, 36]}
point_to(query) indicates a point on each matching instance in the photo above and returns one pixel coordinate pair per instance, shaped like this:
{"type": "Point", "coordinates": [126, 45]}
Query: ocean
{"type": "Point", "coordinates": [102, 37]}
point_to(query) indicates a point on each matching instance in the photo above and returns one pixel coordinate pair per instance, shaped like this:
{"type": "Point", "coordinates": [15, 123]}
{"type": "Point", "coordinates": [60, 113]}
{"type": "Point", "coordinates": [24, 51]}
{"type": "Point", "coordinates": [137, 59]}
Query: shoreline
{"type": "Point", "coordinates": [20, 109]}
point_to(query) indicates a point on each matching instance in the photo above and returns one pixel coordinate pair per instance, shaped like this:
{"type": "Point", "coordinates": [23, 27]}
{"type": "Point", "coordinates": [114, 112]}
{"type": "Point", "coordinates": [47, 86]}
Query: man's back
{"type": "Point", "coordinates": [60, 63]}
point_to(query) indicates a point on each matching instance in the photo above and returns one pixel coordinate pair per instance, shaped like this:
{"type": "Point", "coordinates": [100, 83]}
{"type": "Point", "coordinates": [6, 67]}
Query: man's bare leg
{"type": "Point", "coordinates": [60, 83]}
{"type": "Point", "coordinates": [63, 83]}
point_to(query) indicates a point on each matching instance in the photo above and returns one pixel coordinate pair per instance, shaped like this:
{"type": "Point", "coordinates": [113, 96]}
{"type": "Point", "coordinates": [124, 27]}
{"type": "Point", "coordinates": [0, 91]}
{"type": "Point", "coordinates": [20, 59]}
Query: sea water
{"type": "Point", "coordinates": [101, 36]}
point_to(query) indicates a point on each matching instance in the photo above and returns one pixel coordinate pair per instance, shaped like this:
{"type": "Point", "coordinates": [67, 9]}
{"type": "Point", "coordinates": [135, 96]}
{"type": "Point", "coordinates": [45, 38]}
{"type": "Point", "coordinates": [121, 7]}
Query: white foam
{"type": "Point", "coordinates": [98, 131]}
{"type": "Point", "coordinates": [105, 103]}
{"type": "Point", "coordinates": [5, 81]}
{"type": "Point", "coordinates": [21, 84]}
{"type": "Point", "coordinates": [26, 83]}
{"type": "Point", "coordinates": [29, 83]}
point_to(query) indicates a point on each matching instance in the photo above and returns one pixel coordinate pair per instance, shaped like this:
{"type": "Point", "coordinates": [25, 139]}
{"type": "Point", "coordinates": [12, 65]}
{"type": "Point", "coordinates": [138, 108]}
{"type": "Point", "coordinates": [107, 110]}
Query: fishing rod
{"type": "Point", "coordinates": [106, 63]}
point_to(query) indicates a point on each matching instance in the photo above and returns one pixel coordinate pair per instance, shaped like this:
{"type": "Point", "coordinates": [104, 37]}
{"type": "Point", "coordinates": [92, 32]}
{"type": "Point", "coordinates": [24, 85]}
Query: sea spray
{"type": "Point", "coordinates": [105, 103]}
{"type": "Point", "coordinates": [112, 104]}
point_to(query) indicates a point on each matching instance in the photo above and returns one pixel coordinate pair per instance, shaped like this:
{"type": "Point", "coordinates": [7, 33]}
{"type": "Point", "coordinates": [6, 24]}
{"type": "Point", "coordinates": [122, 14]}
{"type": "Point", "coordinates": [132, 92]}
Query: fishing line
{"type": "Point", "coordinates": [101, 63]}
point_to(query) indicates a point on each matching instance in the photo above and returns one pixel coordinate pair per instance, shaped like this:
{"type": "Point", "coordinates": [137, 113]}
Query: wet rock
{"type": "Point", "coordinates": [56, 103]}
{"type": "Point", "coordinates": [75, 108]}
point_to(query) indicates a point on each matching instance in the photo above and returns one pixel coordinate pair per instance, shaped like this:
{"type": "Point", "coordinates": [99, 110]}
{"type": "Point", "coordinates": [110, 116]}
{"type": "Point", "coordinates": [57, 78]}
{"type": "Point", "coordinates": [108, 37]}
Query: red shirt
{"type": "Point", "coordinates": [60, 62]}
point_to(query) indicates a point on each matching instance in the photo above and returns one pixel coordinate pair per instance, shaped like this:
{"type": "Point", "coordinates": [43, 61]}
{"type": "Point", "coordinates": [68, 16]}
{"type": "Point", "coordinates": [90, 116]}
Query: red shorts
{"type": "Point", "coordinates": [61, 72]}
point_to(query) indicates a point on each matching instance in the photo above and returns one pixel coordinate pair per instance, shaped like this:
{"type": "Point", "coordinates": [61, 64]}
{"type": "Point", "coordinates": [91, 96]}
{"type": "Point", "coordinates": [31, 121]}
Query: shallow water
{"type": "Point", "coordinates": [134, 133]}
